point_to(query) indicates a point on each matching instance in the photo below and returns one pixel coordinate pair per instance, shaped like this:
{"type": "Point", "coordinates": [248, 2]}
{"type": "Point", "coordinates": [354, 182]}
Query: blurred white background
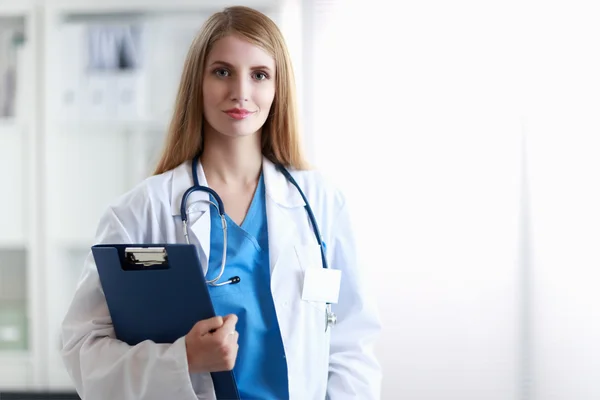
{"type": "Point", "coordinates": [465, 135]}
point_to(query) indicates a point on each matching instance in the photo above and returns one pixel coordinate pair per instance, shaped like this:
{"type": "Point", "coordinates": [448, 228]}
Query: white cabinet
{"type": "Point", "coordinates": [91, 89]}
{"type": "Point", "coordinates": [19, 219]}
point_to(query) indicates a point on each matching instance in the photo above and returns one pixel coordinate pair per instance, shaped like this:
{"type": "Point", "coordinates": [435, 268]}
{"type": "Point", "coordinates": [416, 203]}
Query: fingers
{"type": "Point", "coordinates": [228, 328]}
{"type": "Point", "coordinates": [210, 352]}
{"type": "Point", "coordinates": [209, 325]}
{"type": "Point", "coordinates": [233, 336]}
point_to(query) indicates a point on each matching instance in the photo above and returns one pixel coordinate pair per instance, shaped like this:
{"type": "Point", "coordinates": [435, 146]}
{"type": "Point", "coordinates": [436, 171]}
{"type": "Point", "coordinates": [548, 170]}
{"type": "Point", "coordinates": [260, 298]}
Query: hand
{"type": "Point", "coordinates": [212, 344]}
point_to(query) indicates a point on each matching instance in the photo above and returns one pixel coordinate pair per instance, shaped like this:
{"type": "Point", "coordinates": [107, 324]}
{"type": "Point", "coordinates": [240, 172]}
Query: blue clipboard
{"type": "Point", "coordinates": [157, 292]}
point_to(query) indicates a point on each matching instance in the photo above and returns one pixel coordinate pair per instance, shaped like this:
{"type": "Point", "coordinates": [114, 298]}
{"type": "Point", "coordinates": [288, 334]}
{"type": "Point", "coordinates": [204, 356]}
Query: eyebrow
{"type": "Point", "coordinates": [228, 65]}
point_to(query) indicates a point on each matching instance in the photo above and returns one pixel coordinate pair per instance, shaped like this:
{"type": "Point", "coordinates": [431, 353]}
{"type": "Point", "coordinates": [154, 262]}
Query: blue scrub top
{"type": "Point", "coordinates": [261, 367]}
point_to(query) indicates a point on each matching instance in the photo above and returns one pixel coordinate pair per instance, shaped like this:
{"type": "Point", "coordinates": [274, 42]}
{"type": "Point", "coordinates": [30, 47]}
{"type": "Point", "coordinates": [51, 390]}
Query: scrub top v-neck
{"type": "Point", "coordinates": [261, 367]}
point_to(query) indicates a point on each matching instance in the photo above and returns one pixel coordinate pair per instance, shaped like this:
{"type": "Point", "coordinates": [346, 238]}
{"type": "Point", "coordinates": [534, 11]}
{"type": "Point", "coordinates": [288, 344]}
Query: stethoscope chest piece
{"type": "Point", "coordinates": [330, 318]}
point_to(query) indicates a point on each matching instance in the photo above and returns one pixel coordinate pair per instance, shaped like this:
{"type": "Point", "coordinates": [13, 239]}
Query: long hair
{"type": "Point", "coordinates": [280, 133]}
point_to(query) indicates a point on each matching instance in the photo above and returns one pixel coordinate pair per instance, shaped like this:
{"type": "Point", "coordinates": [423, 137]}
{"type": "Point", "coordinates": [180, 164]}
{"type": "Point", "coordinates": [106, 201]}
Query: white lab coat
{"type": "Point", "coordinates": [337, 365]}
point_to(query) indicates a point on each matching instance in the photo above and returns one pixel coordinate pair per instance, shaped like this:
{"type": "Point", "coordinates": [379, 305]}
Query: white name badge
{"type": "Point", "coordinates": [322, 284]}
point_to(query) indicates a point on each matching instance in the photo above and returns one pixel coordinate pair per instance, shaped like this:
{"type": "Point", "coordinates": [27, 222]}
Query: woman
{"type": "Point", "coordinates": [236, 110]}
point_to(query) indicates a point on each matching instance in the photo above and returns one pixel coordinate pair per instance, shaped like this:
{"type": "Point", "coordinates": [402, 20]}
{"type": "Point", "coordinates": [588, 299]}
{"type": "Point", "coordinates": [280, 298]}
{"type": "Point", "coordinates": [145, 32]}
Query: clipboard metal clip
{"type": "Point", "coordinates": [146, 256]}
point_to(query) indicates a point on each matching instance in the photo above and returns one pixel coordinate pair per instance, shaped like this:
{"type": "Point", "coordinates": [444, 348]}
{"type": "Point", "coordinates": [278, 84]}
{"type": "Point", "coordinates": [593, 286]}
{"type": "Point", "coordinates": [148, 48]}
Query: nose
{"type": "Point", "coordinates": [240, 89]}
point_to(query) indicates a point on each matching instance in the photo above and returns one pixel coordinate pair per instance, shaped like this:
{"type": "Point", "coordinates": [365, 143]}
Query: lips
{"type": "Point", "coordinates": [238, 113]}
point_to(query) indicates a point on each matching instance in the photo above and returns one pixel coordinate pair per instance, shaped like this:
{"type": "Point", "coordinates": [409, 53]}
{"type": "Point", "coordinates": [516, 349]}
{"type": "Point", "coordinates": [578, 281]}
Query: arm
{"type": "Point", "coordinates": [103, 367]}
{"type": "Point", "coordinates": [354, 372]}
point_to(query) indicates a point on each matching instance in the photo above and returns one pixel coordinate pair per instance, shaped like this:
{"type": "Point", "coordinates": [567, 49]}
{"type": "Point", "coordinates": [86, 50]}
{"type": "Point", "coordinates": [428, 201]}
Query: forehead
{"type": "Point", "coordinates": [239, 52]}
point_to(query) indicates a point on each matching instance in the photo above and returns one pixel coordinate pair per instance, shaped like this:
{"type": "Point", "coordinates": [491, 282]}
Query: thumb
{"type": "Point", "coordinates": [230, 316]}
{"type": "Point", "coordinates": [209, 325]}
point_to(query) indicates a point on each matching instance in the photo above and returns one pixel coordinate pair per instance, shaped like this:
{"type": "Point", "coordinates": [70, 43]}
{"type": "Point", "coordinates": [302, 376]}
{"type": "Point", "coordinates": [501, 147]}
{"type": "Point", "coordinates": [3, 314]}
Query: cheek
{"type": "Point", "coordinates": [211, 94]}
{"type": "Point", "coordinates": [266, 98]}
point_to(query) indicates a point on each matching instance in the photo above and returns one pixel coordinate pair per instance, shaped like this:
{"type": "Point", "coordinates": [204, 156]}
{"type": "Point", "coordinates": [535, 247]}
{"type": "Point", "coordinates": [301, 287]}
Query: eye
{"type": "Point", "coordinates": [260, 76]}
{"type": "Point", "coordinates": [221, 72]}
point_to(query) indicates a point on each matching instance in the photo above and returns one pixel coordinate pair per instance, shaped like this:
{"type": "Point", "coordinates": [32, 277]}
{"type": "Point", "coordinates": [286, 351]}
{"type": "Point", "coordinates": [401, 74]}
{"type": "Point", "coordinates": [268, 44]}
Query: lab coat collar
{"type": "Point", "coordinates": [277, 187]}
{"type": "Point", "coordinates": [182, 181]}
{"type": "Point", "coordinates": [282, 200]}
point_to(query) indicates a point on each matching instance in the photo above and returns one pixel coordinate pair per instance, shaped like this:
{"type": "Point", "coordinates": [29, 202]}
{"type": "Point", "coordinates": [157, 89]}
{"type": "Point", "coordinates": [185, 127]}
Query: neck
{"type": "Point", "coordinates": [228, 160]}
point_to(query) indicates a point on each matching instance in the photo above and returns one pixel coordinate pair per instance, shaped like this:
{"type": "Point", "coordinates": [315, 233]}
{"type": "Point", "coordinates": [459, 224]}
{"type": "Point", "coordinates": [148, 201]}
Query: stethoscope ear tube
{"type": "Point", "coordinates": [220, 207]}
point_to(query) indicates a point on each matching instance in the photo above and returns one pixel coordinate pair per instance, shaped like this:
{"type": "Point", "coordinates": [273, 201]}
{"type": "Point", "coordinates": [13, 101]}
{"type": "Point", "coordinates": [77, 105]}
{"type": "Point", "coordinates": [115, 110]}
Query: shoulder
{"type": "Point", "coordinates": [138, 211]}
{"type": "Point", "coordinates": [147, 193]}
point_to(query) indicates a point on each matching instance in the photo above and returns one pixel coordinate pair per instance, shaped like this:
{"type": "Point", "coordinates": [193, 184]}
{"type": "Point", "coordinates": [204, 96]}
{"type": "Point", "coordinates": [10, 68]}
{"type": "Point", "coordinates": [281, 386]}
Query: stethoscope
{"type": "Point", "coordinates": [330, 317]}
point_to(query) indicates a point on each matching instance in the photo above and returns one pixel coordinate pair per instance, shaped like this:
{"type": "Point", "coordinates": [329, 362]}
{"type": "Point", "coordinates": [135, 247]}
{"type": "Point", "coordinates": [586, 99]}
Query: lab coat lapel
{"type": "Point", "coordinates": [200, 228]}
{"type": "Point", "coordinates": [198, 209]}
{"type": "Point", "coordinates": [284, 207]}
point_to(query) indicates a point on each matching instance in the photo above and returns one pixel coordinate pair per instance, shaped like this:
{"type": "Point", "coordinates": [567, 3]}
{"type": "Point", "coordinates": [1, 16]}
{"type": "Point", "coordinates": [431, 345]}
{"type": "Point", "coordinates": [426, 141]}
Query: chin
{"type": "Point", "coordinates": [237, 131]}
{"type": "Point", "coordinates": [232, 128]}
{"type": "Point", "coordinates": [238, 128]}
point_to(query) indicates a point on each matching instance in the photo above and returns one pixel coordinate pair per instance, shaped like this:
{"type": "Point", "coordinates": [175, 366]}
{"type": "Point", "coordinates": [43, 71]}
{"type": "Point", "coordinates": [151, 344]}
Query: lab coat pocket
{"type": "Point", "coordinates": [309, 256]}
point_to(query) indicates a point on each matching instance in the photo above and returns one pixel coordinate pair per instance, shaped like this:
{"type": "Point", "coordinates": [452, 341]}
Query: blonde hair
{"type": "Point", "coordinates": [280, 133]}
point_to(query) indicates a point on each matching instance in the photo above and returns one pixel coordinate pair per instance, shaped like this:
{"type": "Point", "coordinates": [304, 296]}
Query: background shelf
{"type": "Point", "coordinates": [82, 130]}
{"type": "Point", "coordinates": [14, 318]}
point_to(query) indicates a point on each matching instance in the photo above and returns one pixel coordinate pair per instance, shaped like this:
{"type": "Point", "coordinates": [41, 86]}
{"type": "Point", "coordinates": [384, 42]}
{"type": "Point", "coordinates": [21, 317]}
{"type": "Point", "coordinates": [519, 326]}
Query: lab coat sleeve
{"type": "Point", "coordinates": [354, 372]}
{"type": "Point", "coordinates": [103, 367]}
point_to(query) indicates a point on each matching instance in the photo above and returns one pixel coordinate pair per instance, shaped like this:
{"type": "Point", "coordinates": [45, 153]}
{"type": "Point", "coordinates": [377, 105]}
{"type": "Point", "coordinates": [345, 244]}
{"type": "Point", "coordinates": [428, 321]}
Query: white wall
{"type": "Point", "coordinates": [564, 134]}
{"type": "Point", "coordinates": [487, 287]}
{"type": "Point", "coordinates": [431, 163]}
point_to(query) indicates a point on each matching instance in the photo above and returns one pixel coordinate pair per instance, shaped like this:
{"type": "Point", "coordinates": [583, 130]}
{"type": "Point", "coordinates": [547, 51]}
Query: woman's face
{"type": "Point", "coordinates": [238, 87]}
